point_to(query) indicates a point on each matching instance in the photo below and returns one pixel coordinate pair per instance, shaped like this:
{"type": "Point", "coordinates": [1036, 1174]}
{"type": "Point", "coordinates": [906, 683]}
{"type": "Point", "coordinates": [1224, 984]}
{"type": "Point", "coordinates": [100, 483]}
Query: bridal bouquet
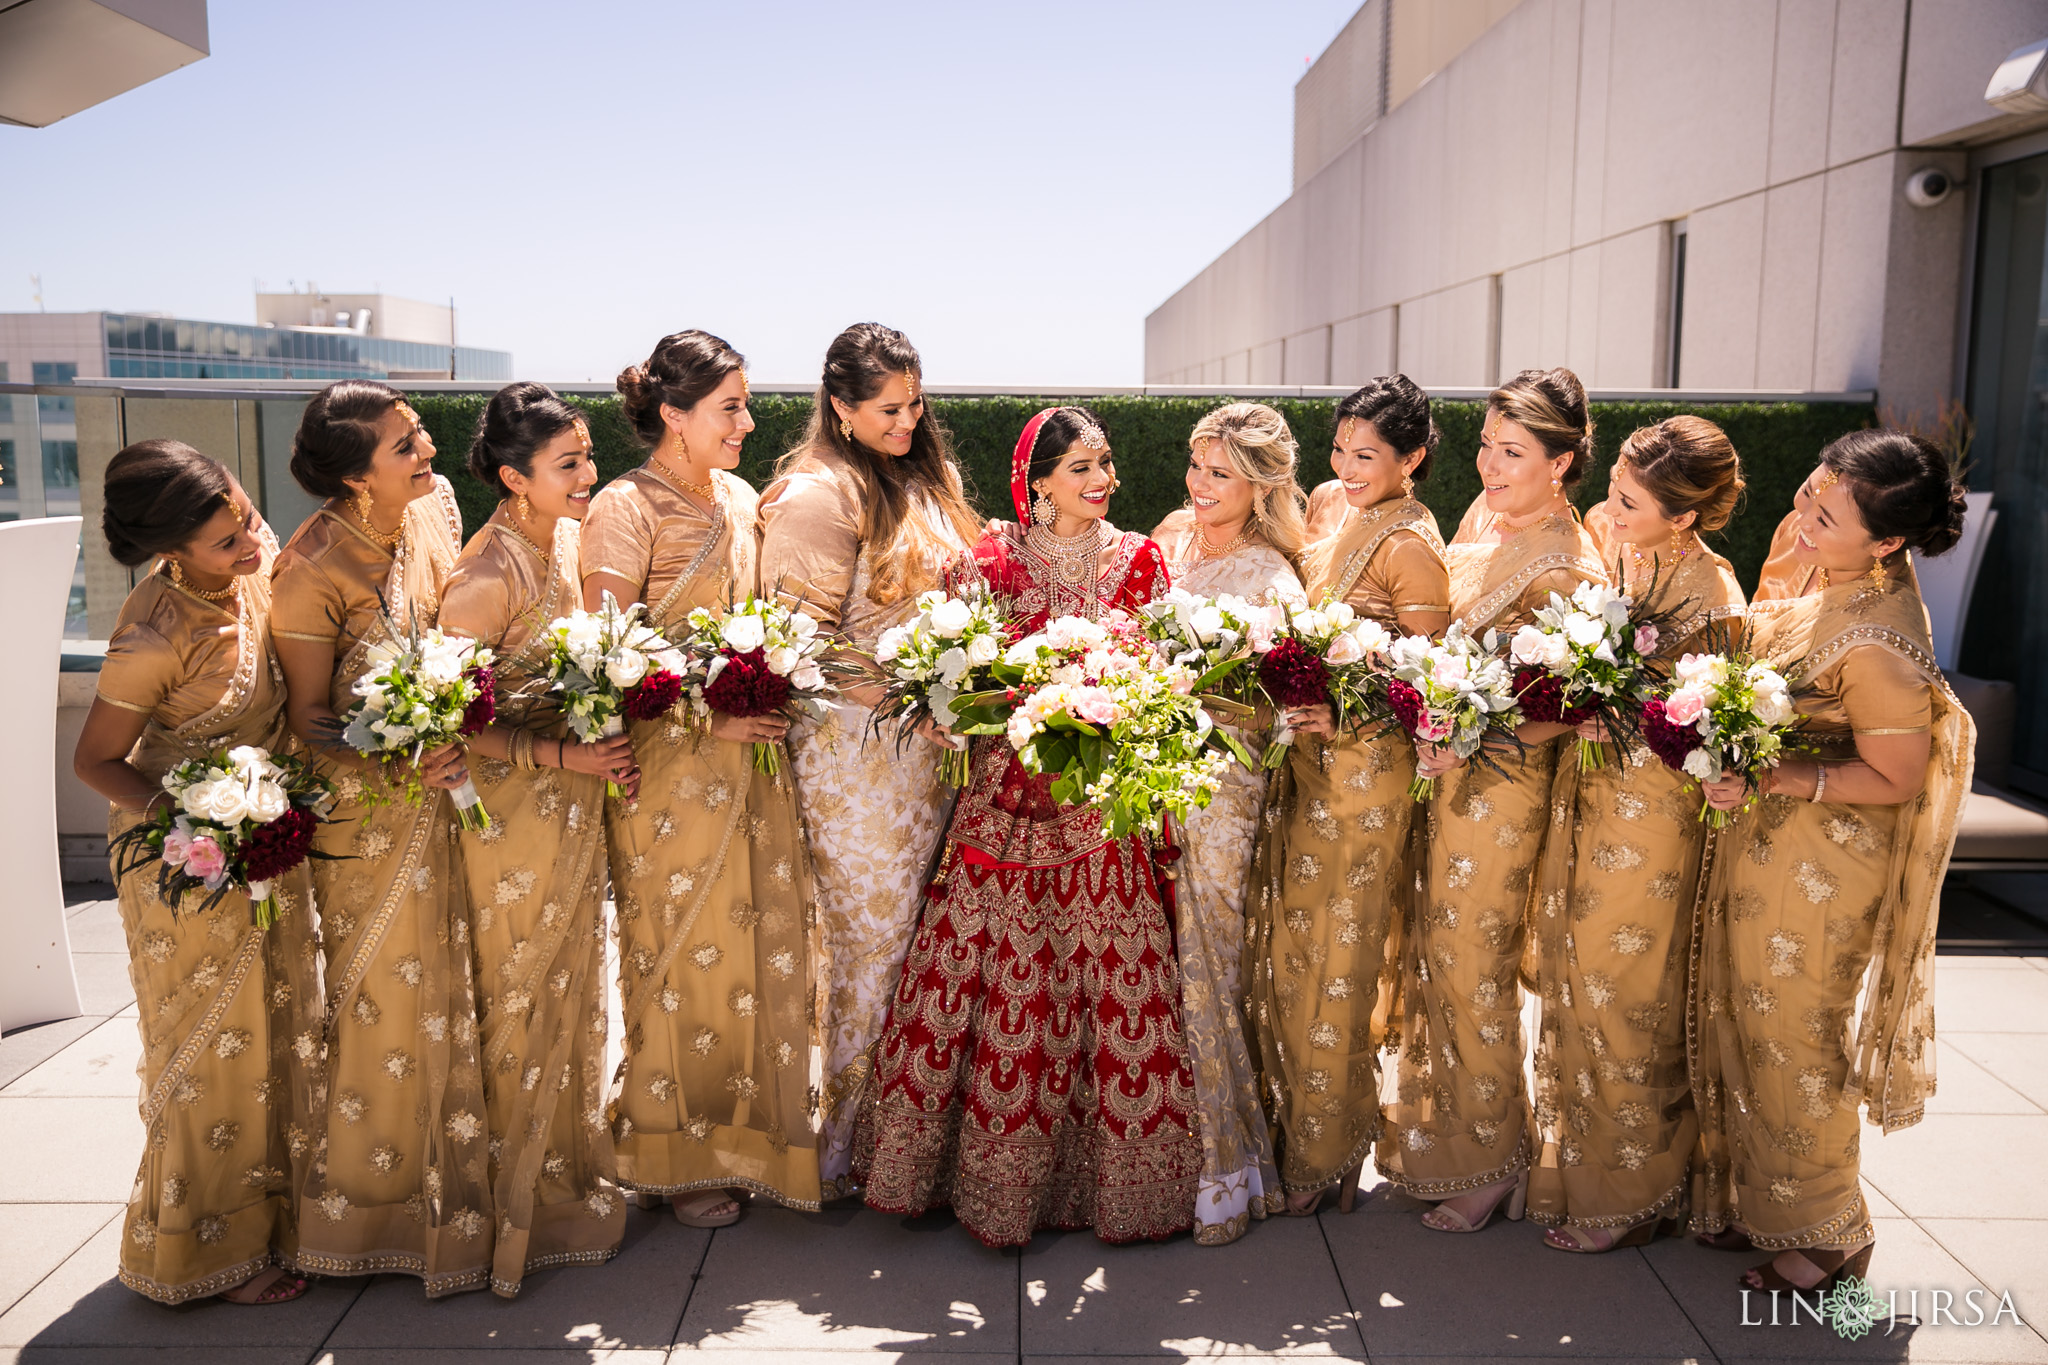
{"type": "Point", "coordinates": [1211, 635]}
{"type": "Point", "coordinates": [1457, 693]}
{"type": "Point", "coordinates": [1314, 656]}
{"type": "Point", "coordinates": [1124, 731]}
{"type": "Point", "coordinates": [610, 667]}
{"type": "Point", "coordinates": [237, 821]}
{"type": "Point", "coordinates": [1585, 657]}
{"type": "Point", "coordinates": [757, 658]}
{"type": "Point", "coordinates": [424, 690]}
{"type": "Point", "coordinates": [1722, 713]}
{"type": "Point", "coordinates": [934, 659]}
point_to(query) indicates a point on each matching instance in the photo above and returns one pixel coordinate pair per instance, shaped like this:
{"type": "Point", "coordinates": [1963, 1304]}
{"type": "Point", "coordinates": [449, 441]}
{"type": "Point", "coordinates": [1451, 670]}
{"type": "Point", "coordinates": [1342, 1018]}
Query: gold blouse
{"type": "Point", "coordinates": [1387, 560]}
{"type": "Point", "coordinates": [178, 659]}
{"type": "Point", "coordinates": [644, 529]}
{"type": "Point", "coordinates": [502, 592]}
{"type": "Point", "coordinates": [1500, 585]}
{"type": "Point", "coordinates": [1328, 511]}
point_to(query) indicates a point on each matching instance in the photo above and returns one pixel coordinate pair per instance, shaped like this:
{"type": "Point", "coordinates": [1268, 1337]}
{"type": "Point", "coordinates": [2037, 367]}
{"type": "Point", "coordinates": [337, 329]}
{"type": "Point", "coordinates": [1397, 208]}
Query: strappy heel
{"type": "Point", "coordinates": [1636, 1235]}
{"type": "Point", "coordinates": [1347, 1195]}
{"type": "Point", "coordinates": [1730, 1238]}
{"type": "Point", "coordinates": [1835, 1265]}
{"type": "Point", "coordinates": [1513, 1200]}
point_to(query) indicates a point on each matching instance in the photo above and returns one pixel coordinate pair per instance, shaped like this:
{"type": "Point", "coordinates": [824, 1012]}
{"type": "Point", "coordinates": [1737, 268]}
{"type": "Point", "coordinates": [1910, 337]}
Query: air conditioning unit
{"type": "Point", "coordinates": [2020, 85]}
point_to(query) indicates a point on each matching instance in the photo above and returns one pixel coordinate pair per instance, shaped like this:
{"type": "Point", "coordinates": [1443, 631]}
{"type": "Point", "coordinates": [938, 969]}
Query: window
{"type": "Point", "coordinates": [1679, 233]}
{"type": "Point", "coordinates": [55, 372]}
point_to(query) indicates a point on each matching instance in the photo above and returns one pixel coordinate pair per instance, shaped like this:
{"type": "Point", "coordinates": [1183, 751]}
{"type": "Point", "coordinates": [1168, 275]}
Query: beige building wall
{"type": "Point", "coordinates": [1519, 206]}
{"type": "Point", "coordinates": [390, 316]}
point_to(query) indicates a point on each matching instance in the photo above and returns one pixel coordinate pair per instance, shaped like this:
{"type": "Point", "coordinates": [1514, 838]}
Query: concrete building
{"type": "Point", "coordinates": [1806, 195]}
{"type": "Point", "coordinates": [60, 56]}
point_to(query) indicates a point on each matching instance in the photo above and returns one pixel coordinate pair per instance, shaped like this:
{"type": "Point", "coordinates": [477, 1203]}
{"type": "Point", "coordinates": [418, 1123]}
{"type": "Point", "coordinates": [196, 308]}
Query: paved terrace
{"type": "Point", "coordinates": [1961, 1203]}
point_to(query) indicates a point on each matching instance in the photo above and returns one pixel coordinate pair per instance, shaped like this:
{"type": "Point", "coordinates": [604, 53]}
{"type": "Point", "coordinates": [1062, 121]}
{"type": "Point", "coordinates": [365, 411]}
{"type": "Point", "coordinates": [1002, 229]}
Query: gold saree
{"type": "Point", "coordinates": [872, 813]}
{"type": "Point", "coordinates": [1610, 945]}
{"type": "Point", "coordinates": [1814, 989]}
{"type": "Point", "coordinates": [400, 1177]}
{"type": "Point", "coordinates": [536, 882]}
{"type": "Point", "coordinates": [218, 1001]}
{"type": "Point", "coordinates": [714, 892]}
{"type": "Point", "coordinates": [1332, 871]}
{"type": "Point", "coordinates": [1459, 1118]}
{"type": "Point", "coordinates": [1238, 1181]}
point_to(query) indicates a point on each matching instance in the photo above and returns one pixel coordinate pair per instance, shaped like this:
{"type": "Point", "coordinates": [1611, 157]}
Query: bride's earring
{"type": "Point", "coordinates": [1043, 513]}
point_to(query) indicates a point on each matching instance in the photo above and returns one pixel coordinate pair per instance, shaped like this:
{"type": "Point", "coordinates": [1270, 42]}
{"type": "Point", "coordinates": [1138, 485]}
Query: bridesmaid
{"type": "Point", "coordinates": [863, 516]}
{"type": "Point", "coordinates": [708, 862]}
{"type": "Point", "coordinates": [1614, 927]}
{"type": "Point", "coordinates": [1456, 1131]}
{"type": "Point", "coordinates": [189, 672]}
{"type": "Point", "coordinates": [1827, 888]}
{"type": "Point", "coordinates": [400, 1181]}
{"type": "Point", "coordinates": [536, 876]}
{"type": "Point", "coordinates": [1333, 860]}
{"type": "Point", "coordinates": [1239, 534]}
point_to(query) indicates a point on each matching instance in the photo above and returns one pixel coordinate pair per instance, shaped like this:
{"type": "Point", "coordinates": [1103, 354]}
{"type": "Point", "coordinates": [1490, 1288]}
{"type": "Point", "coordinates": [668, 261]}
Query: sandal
{"type": "Point", "coordinates": [1569, 1237]}
{"type": "Point", "coordinates": [272, 1285]}
{"type": "Point", "coordinates": [1833, 1264]}
{"type": "Point", "coordinates": [1730, 1238]}
{"type": "Point", "coordinates": [1512, 1199]}
{"type": "Point", "coordinates": [694, 1211]}
{"type": "Point", "coordinates": [1347, 1195]}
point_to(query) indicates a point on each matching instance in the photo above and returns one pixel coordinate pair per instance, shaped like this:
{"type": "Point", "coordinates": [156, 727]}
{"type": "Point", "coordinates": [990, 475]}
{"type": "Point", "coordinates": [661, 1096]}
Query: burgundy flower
{"type": "Point", "coordinates": [1406, 703]}
{"type": "Point", "coordinates": [1541, 694]}
{"type": "Point", "coordinates": [653, 696]}
{"type": "Point", "coordinates": [484, 709]}
{"type": "Point", "coordinates": [276, 848]}
{"type": "Point", "coordinates": [747, 687]}
{"type": "Point", "coordinates": [1293, 676]}
{"type": "Point", "coordinates": [1668, 741]}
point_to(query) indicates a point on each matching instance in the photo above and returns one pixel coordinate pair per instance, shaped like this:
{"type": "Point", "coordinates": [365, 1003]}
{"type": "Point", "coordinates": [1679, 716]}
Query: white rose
{"type": "Point", "coordinates": [1530, 646]}
{"type": "Point", "coordinates": [950, 617]}
{"type": "Point", "coordinates": [1557, 652]}
{"type": "Point", "coordinates": [1022, 653]}
{"type": "Point", "coordinates": [953, 666]}
{"type": "Point", "coordinates": [782, 660]}
{"type": "Point", "coordinates": [1340, 614]}
{"type": "Point", "coordinates": [808, 678]}
{"type": "Point", "coordinates": [743, 633]}
{"type": "Point", "coordinates": [1700, 764]}
{"type": "Point", "coordinates": [267, 801]}
{"type": "Point", "coordinates": [1311, 622]}
{"type": "Point", "coordinates": [194, 797]}
{"type": "Point", "coordinates": [226, 803]}
{"type": "Point", "coordinates": [1068, 674]}
{"type": "Point", "coordinates": [1773, 708]}
{"type": "Point", "coordinates": [891, 643]}
{"type": "Point", "coordinates": [439, 667]}
{"type": "Point", "coordinates": [982, 650]}
{"type": "Point", "coordinates": [1372, 637]}
{"type": "Point", "coordinates": [1584, 631]}
{"type": "Point", "coordinates": [625, 667]}
{"type": "Point", "coordinates": [1345, 649]}
{"type": "Point", "coordinates": [1206, 623]}
{"type": "Point", "coordinates": [252, 759]}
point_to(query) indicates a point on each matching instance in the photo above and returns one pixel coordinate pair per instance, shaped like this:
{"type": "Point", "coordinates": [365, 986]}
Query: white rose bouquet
{"type": "Point", "coordinates": [424, 690]}
{"type": "Point", "coordinates": [1587, 657]}
{"type": "Point", "coordinates": [610, 667]}
{"type": "Point", "coordinates": [236, 820]}
{"type": "Point", "coordinates": [1458, 693]}
{"type": "Point", "coordinates": [1722, 713]}
{"type": "Point", "coordinates": [935, 658]}
{"type": "Point", "coordinates": [1327, 655]}
{"type": "Point", "coordinates": [757, 658]}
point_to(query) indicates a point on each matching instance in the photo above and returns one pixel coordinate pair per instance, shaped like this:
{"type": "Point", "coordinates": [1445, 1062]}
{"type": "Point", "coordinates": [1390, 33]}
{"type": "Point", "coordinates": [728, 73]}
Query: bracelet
{"type": "Point", "coordinates": [522, 750]}
{"type": "Point", "coordinates": [1820, 781]}
{"type": "Point", "coordinates": [560, 750]}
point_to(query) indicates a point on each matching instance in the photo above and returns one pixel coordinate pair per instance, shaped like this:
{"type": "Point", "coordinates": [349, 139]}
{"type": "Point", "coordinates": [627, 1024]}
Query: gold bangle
{"type": "Point", "coordinates": [525, 746]}
{"type": "Point", "coordinates": [1820, 782]}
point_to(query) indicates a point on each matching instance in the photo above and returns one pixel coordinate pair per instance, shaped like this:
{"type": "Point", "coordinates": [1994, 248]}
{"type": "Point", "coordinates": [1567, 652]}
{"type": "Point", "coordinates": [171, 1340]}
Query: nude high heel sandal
{"type": "Point", "coordinates": [1511, 1201]}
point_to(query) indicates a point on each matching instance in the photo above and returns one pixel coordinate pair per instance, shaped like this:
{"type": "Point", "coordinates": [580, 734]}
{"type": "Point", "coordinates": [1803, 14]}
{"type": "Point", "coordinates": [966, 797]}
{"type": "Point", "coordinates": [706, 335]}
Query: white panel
{"type": "Point", "coordinates": [1856, 227]}
{"type": "Point", "coordinates": [1632, 312]}
{"type": "Point", "coordinates": [1362, 348]}
{"type": "Point", "coordinates": [1521, 319]}
{"type": "Point", "coordinates": [1443, 336]}
{"type": "Point", "coordinates": [1724, 258]}
{"type": "Point", "coordinates": [1265, 364]}
{"type": "Point", "coordinates": [1307, 359]}
{"type": "Point", "coordinates": [1799, 88]}
{"type": "Point", "coordinates": [1864, 105]}
{"type": "Point", "coordinates": [1791, 286]}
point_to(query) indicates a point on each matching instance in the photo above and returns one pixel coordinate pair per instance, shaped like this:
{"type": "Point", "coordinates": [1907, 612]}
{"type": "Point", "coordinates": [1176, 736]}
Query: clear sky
{"type": "Point", "coordinates": [1014, 185]}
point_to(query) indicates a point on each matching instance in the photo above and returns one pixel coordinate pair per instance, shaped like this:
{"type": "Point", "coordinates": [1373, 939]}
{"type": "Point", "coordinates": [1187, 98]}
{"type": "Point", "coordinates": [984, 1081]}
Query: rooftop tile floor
{"type": "Point", "coordinates": [1960, 1200]}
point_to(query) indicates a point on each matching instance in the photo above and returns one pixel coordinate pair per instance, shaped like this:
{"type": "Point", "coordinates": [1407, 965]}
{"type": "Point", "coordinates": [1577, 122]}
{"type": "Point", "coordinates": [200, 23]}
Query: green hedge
{"type": "Point", "coordinates": [1778, 443]}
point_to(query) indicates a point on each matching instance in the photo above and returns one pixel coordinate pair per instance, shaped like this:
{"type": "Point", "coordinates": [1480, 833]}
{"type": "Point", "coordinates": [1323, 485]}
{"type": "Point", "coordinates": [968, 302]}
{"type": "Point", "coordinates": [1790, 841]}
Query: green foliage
{"type": "Point", "coordinates": [1778, 443]}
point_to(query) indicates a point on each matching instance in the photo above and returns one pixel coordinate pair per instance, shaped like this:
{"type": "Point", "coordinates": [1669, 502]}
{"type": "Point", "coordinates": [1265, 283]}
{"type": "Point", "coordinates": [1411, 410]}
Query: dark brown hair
{"type": "Point", "coordinates": [1688, 465]}
{"type": "Point", "coordinates": [158, 496]}
{"type": "Point", "coordinates": [858, 363]}
{"type": "Point", "coordinates": [516, 423]}
{"type": "Point", "coordinates": [686, 368]}
{"type": "Point", "coordinates": [338, 435]}
{"type": "Point", "coordinates": [1903, 487]}
{"type": "Point", "coordinates": [1551, 406]}
{"type": "Point", "coordinates": [1399, 412]}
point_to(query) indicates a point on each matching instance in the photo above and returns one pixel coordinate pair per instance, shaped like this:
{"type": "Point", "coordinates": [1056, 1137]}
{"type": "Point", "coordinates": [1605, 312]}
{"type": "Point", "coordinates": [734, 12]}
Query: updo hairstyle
{"type": "Point", "coordinates": [1262, 450]}
{"type": "Point", "coordinates": [1551, 406]}
{"type": "Point", "coordinates": [1399, 411]}
{"type": "Point", "coordinates": [685, 369]}
{"type": "Point", "coordinates": [519, 420]}
{"type": "Point", "coordinates": [1688, 465]}
{"type": "Point", "coordinates": [158, 496]}
{"type": "Point", "coordinates": [338, 435]}
{"type": "Point", "coordinates": [1903, 486]}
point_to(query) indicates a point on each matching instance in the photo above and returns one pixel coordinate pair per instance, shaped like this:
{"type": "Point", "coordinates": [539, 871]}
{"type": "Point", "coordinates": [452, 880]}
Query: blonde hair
{"type": "Point", "coordinates": [1688, 465]}
{"type": "Point", "coordinates": [1261, 449]}
{"type": "Point", "coordinates": [1551, 406]}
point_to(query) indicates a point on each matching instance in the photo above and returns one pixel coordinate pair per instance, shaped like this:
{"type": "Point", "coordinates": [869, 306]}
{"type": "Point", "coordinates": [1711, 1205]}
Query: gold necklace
{"type": "Point", "coordinates": [361, 508]}
{"type": "Point", "coordinates": [216, 595]}
{"type": "Point", "coordinates": [1638, 563]}
{"type": "Point", "coordinates": [707, 491]}
{"type": "Point", "coordinates": [1204, 550]}
{"type": "Point", "coordinates": [511, 523]}
{"type": "Point", "coordinates": [1074, 558]}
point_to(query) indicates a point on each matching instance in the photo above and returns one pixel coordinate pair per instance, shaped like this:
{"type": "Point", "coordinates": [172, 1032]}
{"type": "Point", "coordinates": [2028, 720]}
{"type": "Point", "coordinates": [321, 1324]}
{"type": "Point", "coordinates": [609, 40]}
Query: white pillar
{"type": "Point", "coordinates": [36, 980]}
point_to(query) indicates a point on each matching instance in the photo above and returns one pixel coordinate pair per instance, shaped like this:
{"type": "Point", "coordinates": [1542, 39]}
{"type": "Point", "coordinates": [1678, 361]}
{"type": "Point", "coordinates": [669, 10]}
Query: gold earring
{"type": "Point", "coordinates": [523, 509]}
{"type": "Point", "coordinates": [360, 505]}
{"type": "Point", "coordinates": [1407, 486]}
{"type": "Point", "coordinates": [1879, 579]}
{"type": "Point", "coordinates": [1043, 512]}
{"type": "Point", "coordinates": [846, 428]}
{"type": "Point", "coordinates": [1677, 542]}
{"type": "Point", "coordinates": [1555, 483]}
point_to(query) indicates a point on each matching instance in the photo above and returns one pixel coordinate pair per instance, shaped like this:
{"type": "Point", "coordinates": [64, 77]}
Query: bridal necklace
{"type": "Point", "coordinates": [1075, 559]}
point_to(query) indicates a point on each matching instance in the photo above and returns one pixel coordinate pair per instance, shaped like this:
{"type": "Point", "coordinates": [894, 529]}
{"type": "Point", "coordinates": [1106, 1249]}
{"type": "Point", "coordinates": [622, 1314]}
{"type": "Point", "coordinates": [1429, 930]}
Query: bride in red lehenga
{"type": "Point", "coordinates": [1033, 1073]}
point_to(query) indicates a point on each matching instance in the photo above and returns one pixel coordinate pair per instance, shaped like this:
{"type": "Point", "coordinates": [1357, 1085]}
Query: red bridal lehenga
{"type": "Point", "coordinates": [1033, 1072]}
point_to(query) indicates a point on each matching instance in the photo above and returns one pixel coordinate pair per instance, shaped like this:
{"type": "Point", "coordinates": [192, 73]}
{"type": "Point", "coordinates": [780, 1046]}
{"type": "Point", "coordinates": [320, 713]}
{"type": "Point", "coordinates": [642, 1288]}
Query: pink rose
{"type": "Point", "coordinates": [204, 858]}
{"type": "Point", "coordinates": [1093, 705]}
{"type": "Point", "coordinates": [1684, 706]}
{"type": "Point", "coordinates": [1646, 639]}
{"type": "Point", "coordinates": [1435, 729]}
{"type": "Point", "coordinates": [177, 845]}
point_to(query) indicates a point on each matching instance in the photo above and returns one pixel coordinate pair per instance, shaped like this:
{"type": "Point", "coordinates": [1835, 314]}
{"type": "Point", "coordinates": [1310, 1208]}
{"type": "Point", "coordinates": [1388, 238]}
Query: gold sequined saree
{"type": "Point", "coordinates": [399, 1179]}
{"type": "Point", "coordinates": [714, 893]}
{"type": "Point", "coordinates": [536, 882]}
